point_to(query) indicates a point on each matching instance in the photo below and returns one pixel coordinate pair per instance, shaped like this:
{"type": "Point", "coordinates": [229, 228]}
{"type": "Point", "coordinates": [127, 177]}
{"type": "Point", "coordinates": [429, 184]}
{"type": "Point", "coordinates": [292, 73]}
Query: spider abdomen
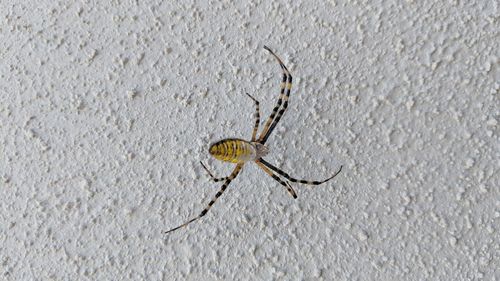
{"type": "Point", "coordinates": [237, 150]}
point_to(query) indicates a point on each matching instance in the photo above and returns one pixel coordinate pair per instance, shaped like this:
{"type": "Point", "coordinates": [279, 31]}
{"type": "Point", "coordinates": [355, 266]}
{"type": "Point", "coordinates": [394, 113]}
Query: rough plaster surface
{"type": "Point", "coordinates": [106, 109]}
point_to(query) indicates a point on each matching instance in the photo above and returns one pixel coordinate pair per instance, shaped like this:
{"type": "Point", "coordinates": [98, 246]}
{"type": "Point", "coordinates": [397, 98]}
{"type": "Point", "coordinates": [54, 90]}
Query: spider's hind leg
{"type": "Point", "coordinates": [212, 202]}
{"type": "Point", "coordinates": [210, 174]}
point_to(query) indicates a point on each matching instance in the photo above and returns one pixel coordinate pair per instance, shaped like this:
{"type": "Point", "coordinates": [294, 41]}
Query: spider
{"type": "Point", "coordinates": [240, 151]}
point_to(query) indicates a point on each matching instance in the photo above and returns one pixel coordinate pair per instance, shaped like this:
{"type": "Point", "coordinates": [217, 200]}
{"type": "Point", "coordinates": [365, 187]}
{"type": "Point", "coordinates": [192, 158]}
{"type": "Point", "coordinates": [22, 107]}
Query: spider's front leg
{"type": "Point", "coordinates": [286, 184]}
{"type": "Point", "coordinates": [275, 117]}
{"type": "Point", "coordinates": [288, 177]}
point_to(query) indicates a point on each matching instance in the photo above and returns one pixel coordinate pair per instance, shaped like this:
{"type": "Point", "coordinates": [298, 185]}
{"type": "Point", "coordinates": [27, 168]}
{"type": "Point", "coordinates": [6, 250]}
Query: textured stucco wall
{"type": "Point", "coordinates": [107, 107]}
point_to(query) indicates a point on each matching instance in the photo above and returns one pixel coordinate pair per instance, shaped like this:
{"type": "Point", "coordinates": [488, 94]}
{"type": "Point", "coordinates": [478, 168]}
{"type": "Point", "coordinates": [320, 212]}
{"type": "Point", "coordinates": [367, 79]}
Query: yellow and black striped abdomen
{"type": "Point", "coordinates": [233, 150]}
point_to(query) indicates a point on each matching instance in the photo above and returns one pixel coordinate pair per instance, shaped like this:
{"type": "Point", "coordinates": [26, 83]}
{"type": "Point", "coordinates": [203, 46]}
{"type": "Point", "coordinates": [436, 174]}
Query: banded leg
{"type": "Point", "coordinates": [212, 176]}
{"type": "Point", "coordinates": [276, 178]}
{"type": "Point", "coordinates": [288, 177]}
{"type": "Point", "coordinates": [286, 86]}
{"type": "Point", "coordinates": [211, 203]}
{"type": "Point", "coordinates": [256, 116]}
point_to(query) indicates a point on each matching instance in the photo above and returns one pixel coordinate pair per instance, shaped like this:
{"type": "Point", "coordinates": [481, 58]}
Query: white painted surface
{"type": "Point", "coordinates": [106, 109]}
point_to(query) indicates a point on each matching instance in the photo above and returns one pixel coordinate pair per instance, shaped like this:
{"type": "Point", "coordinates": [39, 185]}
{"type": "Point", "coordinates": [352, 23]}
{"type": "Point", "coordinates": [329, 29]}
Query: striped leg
{"type": "Point", "coordinates": [288, 177]}
{"type": "Point", "coordinates": [286, 86]}
{"type": "Point", "coordinates": [211, 203]}
{"type": "Point", "coordinates": [256, 116]}
{"type": "Point", "coordinates": [276, 178]}
{"type": "Point", "coordinates": [212, 176]}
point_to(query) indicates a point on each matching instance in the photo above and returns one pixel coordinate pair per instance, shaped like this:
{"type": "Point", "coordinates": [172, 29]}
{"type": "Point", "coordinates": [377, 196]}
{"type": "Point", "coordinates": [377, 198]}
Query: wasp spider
{"type": "Point", "coordinates": [240, 151]}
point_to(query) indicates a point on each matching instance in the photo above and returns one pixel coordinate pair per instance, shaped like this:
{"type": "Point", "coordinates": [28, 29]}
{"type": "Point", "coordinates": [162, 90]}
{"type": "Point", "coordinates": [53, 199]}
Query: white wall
{"type": "Point", "coordinates": [106, 110]}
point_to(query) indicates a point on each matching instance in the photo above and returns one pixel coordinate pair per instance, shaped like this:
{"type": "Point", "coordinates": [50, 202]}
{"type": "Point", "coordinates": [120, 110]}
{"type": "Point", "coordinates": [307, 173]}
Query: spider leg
{"type": "Point", "coordinates": [286, 86]}
{"type": "Point", "coordinates": [211, 203]}
{"type": "Point", "coordinates": [288, 177]}
{"type": "Point", "coordinates": [212, 176]}
{"type": "Point", "coordinates": [256, 116]}
{"type": "Point", "coordinates": [276, 178]}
